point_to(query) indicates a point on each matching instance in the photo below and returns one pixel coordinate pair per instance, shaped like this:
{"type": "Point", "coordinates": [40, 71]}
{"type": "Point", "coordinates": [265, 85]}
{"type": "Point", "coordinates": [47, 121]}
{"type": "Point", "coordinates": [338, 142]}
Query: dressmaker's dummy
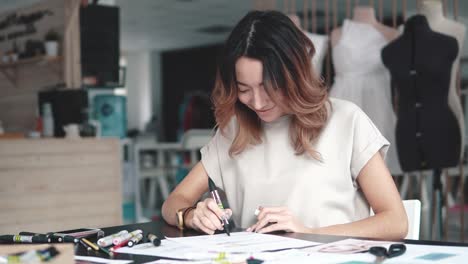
{"type": "Point", "coordinates": [366, 14]}
{"type": "Point", "coordinates": [361, 77]}
{"type": "Point", "coordinates": [420, 62]}
{"type": "Point", "coordinates": [433, 11]}
{"type": "Point", "coordinates": [320, 44]}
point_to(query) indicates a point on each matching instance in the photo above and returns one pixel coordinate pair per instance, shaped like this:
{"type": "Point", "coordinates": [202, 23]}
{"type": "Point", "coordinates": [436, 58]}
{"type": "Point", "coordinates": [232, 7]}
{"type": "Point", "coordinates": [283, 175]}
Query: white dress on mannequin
{"type": "Point", "coordinates": [321, 45]}
{"type": "Point", "coordinates": [362, 79]}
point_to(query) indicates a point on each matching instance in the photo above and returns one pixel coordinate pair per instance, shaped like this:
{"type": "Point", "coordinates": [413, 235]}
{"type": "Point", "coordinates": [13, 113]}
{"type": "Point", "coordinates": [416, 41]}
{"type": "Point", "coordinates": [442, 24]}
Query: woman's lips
{"type": "Point", "coordinates": [264, 111]}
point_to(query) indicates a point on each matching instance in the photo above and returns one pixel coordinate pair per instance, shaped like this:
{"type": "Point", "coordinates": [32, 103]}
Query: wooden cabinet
{"type": "Point", "coordinates": [58, 184]}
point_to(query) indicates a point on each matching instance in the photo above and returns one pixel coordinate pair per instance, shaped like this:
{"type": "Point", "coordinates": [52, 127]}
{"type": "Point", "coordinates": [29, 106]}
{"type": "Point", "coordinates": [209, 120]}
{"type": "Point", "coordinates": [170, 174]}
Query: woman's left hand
{"type": "Point", "coordinates": [277, 219]}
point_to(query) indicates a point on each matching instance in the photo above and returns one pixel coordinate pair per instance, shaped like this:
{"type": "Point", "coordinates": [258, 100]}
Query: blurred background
{"type": "Point", "coordinates": [105, 104]}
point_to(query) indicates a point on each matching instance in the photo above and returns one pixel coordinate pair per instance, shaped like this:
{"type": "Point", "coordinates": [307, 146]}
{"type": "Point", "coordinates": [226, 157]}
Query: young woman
{"type": "Point", "coordinates": [309, 163]}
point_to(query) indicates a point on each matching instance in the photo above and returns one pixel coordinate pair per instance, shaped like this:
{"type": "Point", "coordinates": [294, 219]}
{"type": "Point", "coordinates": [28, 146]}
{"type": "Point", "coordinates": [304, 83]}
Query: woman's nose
{"type": "Point", "coordinates": [260, 100]}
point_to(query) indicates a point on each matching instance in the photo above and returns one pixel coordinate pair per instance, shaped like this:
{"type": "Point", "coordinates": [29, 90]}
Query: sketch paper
{"type": "Point", "coordinates": [240, 245]}
{"type": "Point", "coordinates": [246, 242]}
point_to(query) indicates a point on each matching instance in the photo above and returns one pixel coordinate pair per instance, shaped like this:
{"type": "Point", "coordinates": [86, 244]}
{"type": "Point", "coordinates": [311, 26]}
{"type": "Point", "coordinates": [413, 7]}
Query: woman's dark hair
{"type": "Point", "coordinates": [286, 53]}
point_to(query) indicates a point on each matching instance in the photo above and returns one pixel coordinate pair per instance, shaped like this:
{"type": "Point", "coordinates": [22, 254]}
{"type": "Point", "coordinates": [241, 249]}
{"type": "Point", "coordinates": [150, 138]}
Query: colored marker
{"type": "Point", "coordinates": [118, 240]}
{"type": "Point", "coordinates": [129, 236]}
{"type": "Point", "coordinates": [123, 244]}
{"type": "Point", "coordinates": [154, 239]}
{"type": "Point", "coordinates": [106, 251]}
{"type": "Point", "coordinates": [217, 199]}
{"type": "Point", "coordinates": [47, 237]}
{"type": "Point", "coordinates": [134, 240]}
{"type": "Point", "coordinates": [108, 240]}
{"type": "Point", "coordinates": [253, 260]}
{"type": "Point", "coordinates": [88, 248]}
{"type": "Point", "coordinates": [31, 256]}
{"type": "Point", "coordinates": [89, 243]}
{"type": "Point", "coordinates": [24, 239]}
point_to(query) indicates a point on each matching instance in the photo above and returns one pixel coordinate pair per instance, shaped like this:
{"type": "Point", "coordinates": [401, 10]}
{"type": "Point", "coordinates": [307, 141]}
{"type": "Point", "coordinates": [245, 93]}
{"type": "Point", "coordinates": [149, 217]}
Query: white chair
{"type": "Point", "coordinates": [413, 211]}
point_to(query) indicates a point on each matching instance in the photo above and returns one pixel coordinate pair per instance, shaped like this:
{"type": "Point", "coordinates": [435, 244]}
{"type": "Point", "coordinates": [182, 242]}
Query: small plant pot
{"type": "Point", "coordinates": [51, 48]}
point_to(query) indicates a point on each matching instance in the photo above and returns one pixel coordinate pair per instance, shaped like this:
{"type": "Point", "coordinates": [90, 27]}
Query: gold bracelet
{"type": "Point", "coordinates": [186, 211]}
{"type": "Point", "coordinates": [180, 216]}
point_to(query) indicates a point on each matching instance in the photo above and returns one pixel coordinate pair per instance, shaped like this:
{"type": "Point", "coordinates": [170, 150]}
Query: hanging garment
{"type": "Point", "coordinates": [362, 79]}
{"type": "Point", "coordinates": [321, 45]}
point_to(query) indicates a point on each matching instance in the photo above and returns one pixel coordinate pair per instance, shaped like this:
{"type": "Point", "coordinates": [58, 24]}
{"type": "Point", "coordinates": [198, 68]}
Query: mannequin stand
{"type": "Point", "coordinates": [437, 202]}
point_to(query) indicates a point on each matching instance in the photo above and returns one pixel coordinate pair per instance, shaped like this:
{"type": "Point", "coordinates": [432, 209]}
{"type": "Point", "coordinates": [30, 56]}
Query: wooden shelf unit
{"type": "Point", "coordinates": [10, 69]}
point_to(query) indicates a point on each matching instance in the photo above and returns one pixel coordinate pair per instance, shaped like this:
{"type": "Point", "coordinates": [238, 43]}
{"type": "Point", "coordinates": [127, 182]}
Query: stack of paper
{"type": "Point", "coordinates": [240, 245]}
{"type": "Point", "coordinates": [276, 249]}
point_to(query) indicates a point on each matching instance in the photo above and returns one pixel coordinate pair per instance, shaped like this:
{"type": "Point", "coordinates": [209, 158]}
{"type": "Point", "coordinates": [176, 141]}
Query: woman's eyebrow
{"type": "Point", "coordinates": [241, 83]}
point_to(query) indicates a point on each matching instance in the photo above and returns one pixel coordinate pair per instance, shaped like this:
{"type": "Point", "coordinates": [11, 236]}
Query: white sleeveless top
{"type": "Point", "coordinates": [319, 193]}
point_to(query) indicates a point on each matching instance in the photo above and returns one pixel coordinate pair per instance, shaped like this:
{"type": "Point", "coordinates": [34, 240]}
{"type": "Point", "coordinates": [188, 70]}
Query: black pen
{"type": "Point", "coordinates": [215, 195]}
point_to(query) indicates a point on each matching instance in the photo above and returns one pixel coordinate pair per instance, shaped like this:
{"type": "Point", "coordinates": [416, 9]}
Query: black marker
{"type": "Point", "coordinates": [45, 236]}
{"type": "Point", "coordinates": [154, 239]}
{"type": "Point", "coordinates": [24, 239]}
{"type": "Point", "coordinates": [88, 248]}
{"type": "Point", "coordinates": [215, 195]}
{"type": "Point", "coordinates": [54, 237]}
{"type": "Point", "coordinates": [66, 238]}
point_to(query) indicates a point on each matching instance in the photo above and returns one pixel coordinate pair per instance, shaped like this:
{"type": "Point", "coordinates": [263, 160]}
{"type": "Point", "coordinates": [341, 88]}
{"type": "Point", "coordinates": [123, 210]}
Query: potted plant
{"type": "Point", "coordinates": [51, 43]}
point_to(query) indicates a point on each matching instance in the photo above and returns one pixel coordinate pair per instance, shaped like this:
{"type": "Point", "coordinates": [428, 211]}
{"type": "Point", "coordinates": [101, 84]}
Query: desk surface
{"type": "Point", "coordinates": [162, 229]}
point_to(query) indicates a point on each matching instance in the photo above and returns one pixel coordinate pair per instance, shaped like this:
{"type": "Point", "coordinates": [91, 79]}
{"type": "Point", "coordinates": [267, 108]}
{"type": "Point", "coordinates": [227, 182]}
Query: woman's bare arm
{"type": "Point", "coordinates": [390, 220]}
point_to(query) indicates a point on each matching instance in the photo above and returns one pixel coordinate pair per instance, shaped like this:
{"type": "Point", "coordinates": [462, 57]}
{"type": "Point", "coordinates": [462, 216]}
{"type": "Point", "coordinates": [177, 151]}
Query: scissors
{"type": "Point", "coordinates": [382, 253]}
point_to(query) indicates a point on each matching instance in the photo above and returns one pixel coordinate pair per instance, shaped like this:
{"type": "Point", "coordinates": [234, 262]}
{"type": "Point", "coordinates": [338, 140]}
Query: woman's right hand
{"type": "Point", "coordinates": [206, 216]}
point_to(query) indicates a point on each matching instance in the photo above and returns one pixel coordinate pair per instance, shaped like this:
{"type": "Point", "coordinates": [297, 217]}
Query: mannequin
{"type": "Point", "coordinates": [366, 15]}
{"type": "Point", "coordinates": [433, 11]}
{"type": "Point", "coordinates": [320, 43]}
{"type": "Point", "coordinates": [361, 76]}
{"type": "Point", "coordinates": [420, 62]}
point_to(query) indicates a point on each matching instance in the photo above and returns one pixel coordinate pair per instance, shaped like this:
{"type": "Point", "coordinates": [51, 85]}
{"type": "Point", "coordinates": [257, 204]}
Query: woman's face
{"type": "Point", "coordinates": [249, 73]}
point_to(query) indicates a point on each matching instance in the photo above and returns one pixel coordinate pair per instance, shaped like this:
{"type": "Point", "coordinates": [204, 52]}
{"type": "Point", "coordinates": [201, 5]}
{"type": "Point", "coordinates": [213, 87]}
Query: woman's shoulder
{"type": "Point", "coordinates": [343, 107]}
{"type": "Point", "coordinates": [346, 115]}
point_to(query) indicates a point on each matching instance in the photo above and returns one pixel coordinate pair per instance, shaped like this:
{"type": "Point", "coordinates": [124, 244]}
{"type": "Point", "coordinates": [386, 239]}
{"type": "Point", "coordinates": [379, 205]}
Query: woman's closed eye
{"type": "Point", "coordinates": [242, 88]}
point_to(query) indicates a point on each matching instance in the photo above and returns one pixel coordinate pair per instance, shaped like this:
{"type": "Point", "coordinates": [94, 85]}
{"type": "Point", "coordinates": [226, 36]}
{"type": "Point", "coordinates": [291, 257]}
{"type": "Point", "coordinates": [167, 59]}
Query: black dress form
{"type": "Point", "coordinates": [420, 63]}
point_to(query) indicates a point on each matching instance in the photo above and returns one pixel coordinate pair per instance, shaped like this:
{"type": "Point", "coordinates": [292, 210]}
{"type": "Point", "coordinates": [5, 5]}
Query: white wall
{"type": "Point", "coordinates": [464, 53]}
{"type": "Point", "coordinates": [138, 84]}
